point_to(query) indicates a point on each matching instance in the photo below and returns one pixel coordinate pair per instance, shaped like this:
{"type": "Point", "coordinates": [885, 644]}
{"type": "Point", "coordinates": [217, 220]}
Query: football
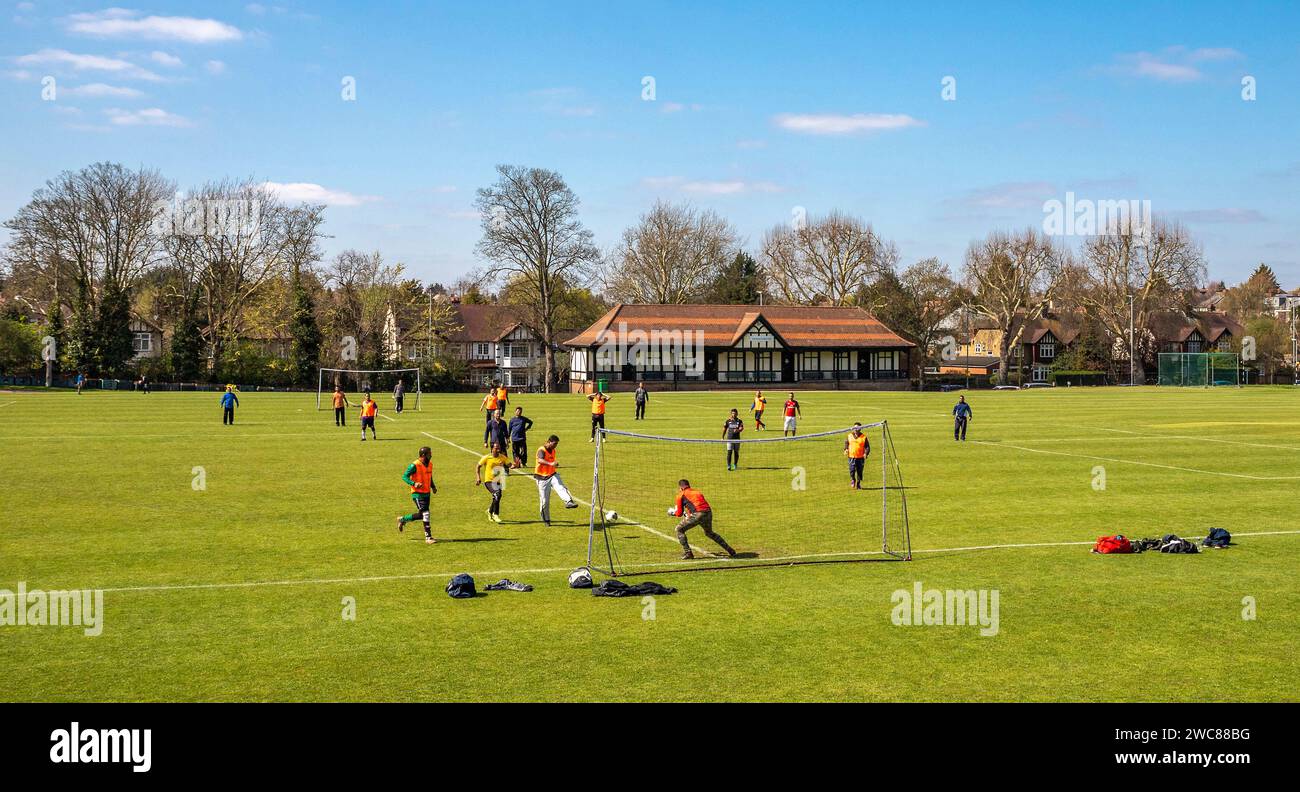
{"type": "Point", "coordinates": [611, 516]}
{"type": "Point", "coordinates": [672, 511]}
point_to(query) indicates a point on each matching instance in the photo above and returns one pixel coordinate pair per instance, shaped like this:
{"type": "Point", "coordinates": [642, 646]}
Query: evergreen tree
{"type": "Point", "coordinates": [113, 336]}
{"type": "Point", "coordinates": [187, 343]}
{"type": "Point", "coordinates": [82, 348]}
{"type": "Point", "coordinates": [738, 283]}
{"type": "Point", "coordinates": [305, 333]}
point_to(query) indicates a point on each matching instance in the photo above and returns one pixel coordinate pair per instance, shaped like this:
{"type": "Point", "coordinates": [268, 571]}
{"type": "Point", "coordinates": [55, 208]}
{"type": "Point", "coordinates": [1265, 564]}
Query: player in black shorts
{"type": "Point", "coordinates": [731, 429]}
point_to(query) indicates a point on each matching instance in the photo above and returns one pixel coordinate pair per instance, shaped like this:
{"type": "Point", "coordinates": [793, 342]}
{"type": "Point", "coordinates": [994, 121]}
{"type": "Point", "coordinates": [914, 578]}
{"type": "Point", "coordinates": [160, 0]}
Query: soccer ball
{"type": "Point", "coordinates": [611, 516]}
{"type": "Point", "coordinates": [672, 511]}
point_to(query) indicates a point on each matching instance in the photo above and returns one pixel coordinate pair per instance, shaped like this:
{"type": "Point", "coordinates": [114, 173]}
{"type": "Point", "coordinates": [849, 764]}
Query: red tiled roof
{"type": "Point", "coordinates": [483, 322]}
{"type": "Point", "coordinates": [722, 325]}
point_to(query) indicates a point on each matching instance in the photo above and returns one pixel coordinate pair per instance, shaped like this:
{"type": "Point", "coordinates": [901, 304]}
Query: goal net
{"type": "Point", "coordinates": [789, 500]}
{"type": "Point", "coordinates": [379, 382]}
{"type": "Point", "coordinates": [1199, 368]}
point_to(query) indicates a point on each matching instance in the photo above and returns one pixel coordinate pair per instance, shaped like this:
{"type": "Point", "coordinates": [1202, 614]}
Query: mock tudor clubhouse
{"type": "Point", "coordinates": [698, 347]}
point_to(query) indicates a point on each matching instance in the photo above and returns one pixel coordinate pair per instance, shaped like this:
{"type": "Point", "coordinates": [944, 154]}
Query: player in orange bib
{"type": "Point", "coordinates": [489, 405]}
{"type": "Point", "coordinates": [857, 448]}
{"type": "Point", "coordinates": [368, 410]}
{"type": "Point", "coordinates": [419, 476]}
{"type": "Point", "coordinates": [548, 478]}
{"type": "Point", "coordinates": [597, 400]}
{"type": "Point", "coordinates": [694, 510]}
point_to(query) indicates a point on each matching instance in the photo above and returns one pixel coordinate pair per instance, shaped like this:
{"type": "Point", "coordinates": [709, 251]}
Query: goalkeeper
{"type": "Point", "coordinates": [857, 448]}
{"type": "Point", "coordinates": [694, 510]}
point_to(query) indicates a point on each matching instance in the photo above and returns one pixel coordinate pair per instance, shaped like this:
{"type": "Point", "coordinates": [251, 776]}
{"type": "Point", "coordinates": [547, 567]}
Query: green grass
{"type": "Point", "coordinates": [95, 492]}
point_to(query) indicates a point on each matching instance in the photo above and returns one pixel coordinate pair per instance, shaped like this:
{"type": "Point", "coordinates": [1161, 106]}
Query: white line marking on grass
{"type": "Point", "coordinates": [386, 418]}
{"type": "Point", "coordinates": [550, 570]}
{"type": "Point", "coordinates": [1199, 439]}
{"type": "Point", "coordinates": [1135, 462]}
{"type": "Point", "coordinates": [6, 404]}
{"type": "Point", "coordinates": [626, 520]}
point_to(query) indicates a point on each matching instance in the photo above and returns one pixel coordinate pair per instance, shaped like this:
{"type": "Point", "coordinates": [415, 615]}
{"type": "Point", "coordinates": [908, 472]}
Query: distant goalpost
{"type": "Point", "coordinates": [358, 381]}
{"type": "Point", "coordinates": [1199, 369]}
{"type": "Point", "coordinates": [789, 501]}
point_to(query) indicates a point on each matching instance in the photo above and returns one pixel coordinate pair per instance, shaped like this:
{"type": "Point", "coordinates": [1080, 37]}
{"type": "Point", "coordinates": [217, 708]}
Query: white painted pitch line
{"type": "Point", "coordinates": [624, 520]}
{"type": "Point", "coordinates": [1135, 462]}
{"type": "Point", "coordinates": [6, 404]}
{"type": "Point", "coordinates": [550, 570]}
{"type": "Point", "coordinates": [1138, 435]}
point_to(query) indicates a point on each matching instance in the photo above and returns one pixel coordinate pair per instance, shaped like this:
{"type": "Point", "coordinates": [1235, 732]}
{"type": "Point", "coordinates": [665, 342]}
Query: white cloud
{"type": "Point", "coordinates": [1009, 195]}
{"type": "Point", "coordinates": [1172, 64]}
{"type": "Point", "coordinates": [165, 59]}
{"type": "Point", "coordinates": [96, 90]}
{"type": "Point", "coordinates": [122, 23]}
{"type": "Point", "coordinates": [215, 67]}
{"type": "Point", "coordinates": [306, 192]}
{"type": "Point", "coordinates": [78, 62]}
{"type": "Point", "coordinates": [703, 187]}
{"type": "Point", "coordinates": [152, 116]}
{"type": "Point", "coordinates": [1224, 215]}
{"type": "Point", "coordinates": [839, 124]}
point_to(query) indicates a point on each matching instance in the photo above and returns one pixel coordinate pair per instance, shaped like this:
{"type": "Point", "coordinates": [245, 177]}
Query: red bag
{"type": "Point", "coordinates": [1112, 544]}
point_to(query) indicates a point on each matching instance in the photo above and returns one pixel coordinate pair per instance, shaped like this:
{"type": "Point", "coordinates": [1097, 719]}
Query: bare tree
{"type": "Point", "coordinates": [531, 231]}
{"type": "Point", "coordinates": [1156, 266]}
{"type": "Point", "coordinates": [96, 225]}
{"type": "Point", "coordinates": [826, 260]}
{"type": "Point", "coordinates": [1013, 278]}
{"type": "Point", "coordinates": [670, 256]}
{"type": "Point", "coordinates": [916, 303]}
{"type": "Point", "coordinates": [228, 257]}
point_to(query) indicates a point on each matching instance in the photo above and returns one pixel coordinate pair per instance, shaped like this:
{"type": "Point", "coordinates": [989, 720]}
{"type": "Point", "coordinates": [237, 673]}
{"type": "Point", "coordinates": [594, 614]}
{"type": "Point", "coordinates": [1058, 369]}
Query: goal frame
{"type": "Point", "coordinates": [1208, 358]}
{"type": "Point", "coordinates": [888, 456]}
{"type": "Point", "coordinates": [320, 380]}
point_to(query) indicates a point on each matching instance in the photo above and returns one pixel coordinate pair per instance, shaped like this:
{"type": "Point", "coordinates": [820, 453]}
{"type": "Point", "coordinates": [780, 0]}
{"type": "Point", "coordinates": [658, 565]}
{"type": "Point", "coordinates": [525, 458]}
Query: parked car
{"type": "Point", "coordinates": [1006, 387]}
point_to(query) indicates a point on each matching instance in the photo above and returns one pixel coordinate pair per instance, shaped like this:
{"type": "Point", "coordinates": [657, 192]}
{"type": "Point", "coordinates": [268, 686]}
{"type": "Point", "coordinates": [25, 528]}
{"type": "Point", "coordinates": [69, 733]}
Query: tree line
{"type": "Point", "coordinates": [228, 268]}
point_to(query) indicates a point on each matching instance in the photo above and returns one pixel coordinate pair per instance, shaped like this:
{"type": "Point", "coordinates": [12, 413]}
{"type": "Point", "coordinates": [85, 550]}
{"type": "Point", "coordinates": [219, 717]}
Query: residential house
{"type": "Point", "coordinates": [146, 338]}
{"type": "Point", "coordinates": [741, 346]}
{"type": "Point", "coordinates": [1206, 332]}
{"type": "Point", "coordinates": [490, 338]}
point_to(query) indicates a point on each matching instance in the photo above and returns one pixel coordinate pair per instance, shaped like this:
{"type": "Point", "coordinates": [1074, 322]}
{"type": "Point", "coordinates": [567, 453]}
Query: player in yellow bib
{"type": "Point", "coordinates": [856, 447]}
{"type": "Point", "coordinates": [490, 472]}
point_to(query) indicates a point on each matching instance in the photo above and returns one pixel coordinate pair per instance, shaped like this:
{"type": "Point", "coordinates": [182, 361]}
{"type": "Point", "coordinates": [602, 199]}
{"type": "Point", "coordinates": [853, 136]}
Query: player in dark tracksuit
{"type": "Point", "coordinates": [518, 431]}
{"type": "Point", "coordinates": [731, 429]}
{"type": "Point", "coordinates": [642, 396]}
{"type": "Point", "coordinates": [961, 416]}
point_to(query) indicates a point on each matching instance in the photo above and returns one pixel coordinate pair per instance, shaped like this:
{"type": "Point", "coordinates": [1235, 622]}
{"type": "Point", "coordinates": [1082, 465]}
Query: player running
{"type": "Point", "coordinates": [857, 448]}
{"type": "Point", "coordinates": [961, 416]}
{"type": "Point", "coordinates": [548, 477]}
{"type": "Point", "coordinates": [229, 401]}
{"type": "Point", "coordinates": [340, 401]}
{"type": "Point", "coordinates": [694, 510]}
{"type": "Point", "coordinates": [490, 472]}
{"type": "Point", "coordinates": [419, 475]}
{"type": "Point", "coordinates": [518, 431]}
{"type": "Point", "coordinates": [597, 400]}
{"type": "Point", "coordinates": [758, 406]}
{"type": "Point", "coordinates": [731, 429]}
{"type": "Point", "coordinates": [792, 412]}
{"type": "Point", "coordinates": [368, 410]}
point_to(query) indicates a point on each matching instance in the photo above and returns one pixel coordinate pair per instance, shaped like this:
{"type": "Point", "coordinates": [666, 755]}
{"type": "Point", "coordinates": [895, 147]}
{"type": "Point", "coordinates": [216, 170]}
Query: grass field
{"type": "Point", "coordinates": [235, 592]}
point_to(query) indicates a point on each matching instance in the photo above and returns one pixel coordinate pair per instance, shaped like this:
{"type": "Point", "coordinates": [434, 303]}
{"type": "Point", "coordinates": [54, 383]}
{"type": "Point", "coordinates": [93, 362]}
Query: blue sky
{"type": "Point", "coordinates": [758, 108]}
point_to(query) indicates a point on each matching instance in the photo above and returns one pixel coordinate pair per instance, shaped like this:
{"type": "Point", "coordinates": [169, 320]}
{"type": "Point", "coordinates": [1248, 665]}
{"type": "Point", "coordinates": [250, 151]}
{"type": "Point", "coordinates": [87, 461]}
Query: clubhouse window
{"type": "Point", "coordinates": [812, 361]}
{"type": "Point", "coordinates": [735, 361]}
{"type": "Point", "coordinates": [842, 361]}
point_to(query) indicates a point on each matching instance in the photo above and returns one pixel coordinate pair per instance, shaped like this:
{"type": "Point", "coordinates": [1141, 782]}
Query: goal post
{"type": "Point", "coordinates": [789, 500]}
{"type": "Point", "coordinates": [1199, 369]}
{"type": "Point", "coordinates": [355, 382]}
